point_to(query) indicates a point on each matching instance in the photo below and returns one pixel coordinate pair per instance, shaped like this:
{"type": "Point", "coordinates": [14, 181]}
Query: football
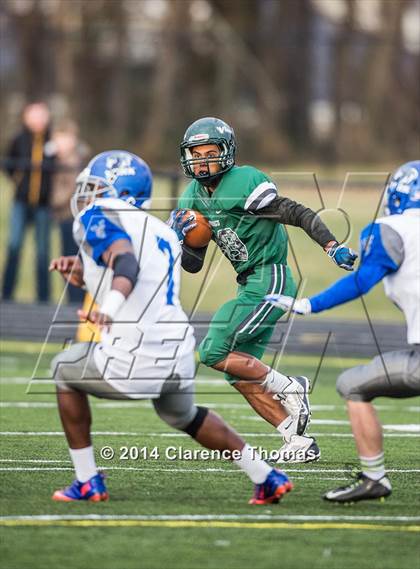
{"type": "Point", "coordinates": [201, 234]}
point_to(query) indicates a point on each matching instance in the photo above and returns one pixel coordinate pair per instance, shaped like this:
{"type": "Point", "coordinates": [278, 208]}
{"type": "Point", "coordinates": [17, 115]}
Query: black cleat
{"type": "Point", "coordinates": [363, 488]}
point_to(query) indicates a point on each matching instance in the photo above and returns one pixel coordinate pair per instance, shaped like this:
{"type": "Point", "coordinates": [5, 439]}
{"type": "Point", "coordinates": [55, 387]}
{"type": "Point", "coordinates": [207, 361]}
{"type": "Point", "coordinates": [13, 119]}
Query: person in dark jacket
{"type": "Point", "coordinates": [31, 170]}
{"type": "Point", "coordinates": [70, 155]}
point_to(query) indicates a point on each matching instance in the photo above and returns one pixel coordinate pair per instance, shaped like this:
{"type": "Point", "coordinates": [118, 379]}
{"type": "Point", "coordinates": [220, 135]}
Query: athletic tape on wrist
{"type": "Point", "coordinates": [112, 303]}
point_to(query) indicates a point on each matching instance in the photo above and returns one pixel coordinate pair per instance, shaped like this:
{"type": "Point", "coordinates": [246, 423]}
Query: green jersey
{"type": "Point", "coordinates": [245, 238]}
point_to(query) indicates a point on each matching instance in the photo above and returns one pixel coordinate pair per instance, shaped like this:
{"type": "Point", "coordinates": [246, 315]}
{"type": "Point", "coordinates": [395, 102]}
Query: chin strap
{"type": "Point", "coordinates": [207, 180]}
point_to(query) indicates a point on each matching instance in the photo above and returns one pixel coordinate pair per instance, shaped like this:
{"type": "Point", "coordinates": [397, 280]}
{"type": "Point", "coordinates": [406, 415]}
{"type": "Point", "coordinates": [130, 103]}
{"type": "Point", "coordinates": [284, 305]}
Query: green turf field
{"type": "Point", "coordinates": [194, 513]}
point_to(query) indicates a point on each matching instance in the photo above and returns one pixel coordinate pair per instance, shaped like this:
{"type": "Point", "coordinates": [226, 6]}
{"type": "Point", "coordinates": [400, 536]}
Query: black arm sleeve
{"type": "Point", "coordinates": [126, 265]}
{"type": "Point", "coordinates": [289, 212]}
{"type": "Point", "coordinates": [192, 259]}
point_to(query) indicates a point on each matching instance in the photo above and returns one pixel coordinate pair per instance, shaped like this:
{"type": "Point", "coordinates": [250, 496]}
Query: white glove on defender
{"type": "Point", "coordinates": [298, 305]}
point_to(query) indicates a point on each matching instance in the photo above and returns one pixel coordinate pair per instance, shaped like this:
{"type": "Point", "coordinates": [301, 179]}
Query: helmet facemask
{"type": "Point", "coordinates": [88, 189]}
{"type": "Point", "coordinates": [226, 159]}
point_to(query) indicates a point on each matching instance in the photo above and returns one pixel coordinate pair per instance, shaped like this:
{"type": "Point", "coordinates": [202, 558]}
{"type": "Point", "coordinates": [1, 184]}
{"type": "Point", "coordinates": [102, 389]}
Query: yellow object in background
{"type": "Point", "coordinates": [88, 332]}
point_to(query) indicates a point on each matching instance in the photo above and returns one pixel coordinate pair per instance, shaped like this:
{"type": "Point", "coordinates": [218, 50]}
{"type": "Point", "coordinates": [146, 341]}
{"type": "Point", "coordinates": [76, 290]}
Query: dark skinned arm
{"type": "Point", "coordinates": [120, 284]}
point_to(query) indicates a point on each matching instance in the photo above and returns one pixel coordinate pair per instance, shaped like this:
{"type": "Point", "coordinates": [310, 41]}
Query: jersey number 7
{"type": "Point", "coordinates": [165, 247]}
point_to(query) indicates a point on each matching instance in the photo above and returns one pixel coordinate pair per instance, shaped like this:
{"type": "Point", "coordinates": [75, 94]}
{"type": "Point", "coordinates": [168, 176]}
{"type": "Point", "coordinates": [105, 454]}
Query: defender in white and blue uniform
{"type": "Point", "coordinates": [130, 263]}
{"type": "Point", "coordinates": [150, 338]}
{"type": "Point", "coordinates": [390, 252]}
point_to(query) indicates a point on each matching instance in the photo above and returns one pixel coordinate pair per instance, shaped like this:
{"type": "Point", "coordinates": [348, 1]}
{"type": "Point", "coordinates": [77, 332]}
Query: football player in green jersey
{"type": "Point", "coordinates": [247, 217]}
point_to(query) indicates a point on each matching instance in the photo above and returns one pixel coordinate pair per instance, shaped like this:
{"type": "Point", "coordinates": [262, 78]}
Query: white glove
{"type": "Point", "coordinates": [298, 305]}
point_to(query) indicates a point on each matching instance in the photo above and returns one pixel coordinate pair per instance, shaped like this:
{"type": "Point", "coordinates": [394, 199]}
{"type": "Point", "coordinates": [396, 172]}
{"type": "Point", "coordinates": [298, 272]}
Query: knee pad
{"type": "Point", "coordinates": [58, 373]}
{"type": "Point", "coordinates": [195, 424]}
{"type": "Point", "coordinates": [350, 388]}
{"type": "Point", "coordinates": [344, 385]}
{"type": "Point", "coordinates": [55, 367]}
{"type": "Point", "coordinates": [179, 421]}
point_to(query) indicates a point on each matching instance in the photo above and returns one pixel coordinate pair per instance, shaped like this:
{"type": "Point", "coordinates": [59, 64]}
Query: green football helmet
{"type": "Point", "coordinates": [208, 130]}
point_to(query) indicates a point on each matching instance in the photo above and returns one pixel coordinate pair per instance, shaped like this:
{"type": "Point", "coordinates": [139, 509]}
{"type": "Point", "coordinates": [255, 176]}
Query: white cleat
{"type": "Point", "coordinates": [296, 401]}
{"type": "Point", "coordinates": [299, 449]}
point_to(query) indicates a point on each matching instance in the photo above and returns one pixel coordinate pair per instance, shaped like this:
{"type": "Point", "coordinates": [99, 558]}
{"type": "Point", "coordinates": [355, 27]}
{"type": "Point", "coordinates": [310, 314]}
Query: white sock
{"type": "Point", "coordinates": [252, 463]}
{"type": "Point", "coordinates": [275, 382]}
{"type": "Point", "coordinates": [287, 429]}
{"type": "Point", "coordinates": [373, 466]}
{"type": "Point", "coordinates": [84, 463]}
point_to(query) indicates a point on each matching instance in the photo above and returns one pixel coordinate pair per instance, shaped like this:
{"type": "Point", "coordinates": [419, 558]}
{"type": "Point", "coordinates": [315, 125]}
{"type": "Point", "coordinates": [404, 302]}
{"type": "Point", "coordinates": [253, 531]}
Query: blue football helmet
{"type": "Point", "coordinates": [403, 189]}
{"type": "Point", "coordinates": [114, 174]}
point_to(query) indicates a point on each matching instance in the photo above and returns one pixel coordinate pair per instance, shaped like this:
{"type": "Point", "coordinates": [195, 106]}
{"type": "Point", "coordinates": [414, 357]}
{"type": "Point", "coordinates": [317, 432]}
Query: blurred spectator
{"type": "Point", "coordinates": [70, 154]}
{"type": "Point", "coordinates": [30, 167]}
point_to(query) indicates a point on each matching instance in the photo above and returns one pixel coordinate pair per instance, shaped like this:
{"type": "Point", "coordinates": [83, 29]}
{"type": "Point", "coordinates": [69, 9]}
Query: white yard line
{"type": "Point", "coordinates": [205, 517]}
{"type": "Point", "coordinates": [405, 427]}
{"type": "Point", "coordinates": [412, 428]}
{"type": "Point", "coordinates": [212, 405]}
{"type": "Point", "coordinates": [13, 380]}
{"type": "Point", "coordinates": [175, 434]}
{"type": "Point", "coordinates": [202, 380]}
{"type": "Point", "coordinates": [35, 460]}
{"type": "Point", "coordinates": [155, 469]}
{"type": "Point", "coordinates": [167, 469]}
{"type": "Point", "coordinates": [53, 404]}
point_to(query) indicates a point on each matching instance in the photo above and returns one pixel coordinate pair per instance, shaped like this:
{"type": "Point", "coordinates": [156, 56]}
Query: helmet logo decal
{"type": "Point", "coordinates": [118, 165]}
{"type": "Point", "coordinates": [198, 137]}
{"type": "Point", "coordinates": [404, 179]}
{"type": "Point", "coordinates": [403, 190]}
{"type": "Point", "coordinates": [223, 129]}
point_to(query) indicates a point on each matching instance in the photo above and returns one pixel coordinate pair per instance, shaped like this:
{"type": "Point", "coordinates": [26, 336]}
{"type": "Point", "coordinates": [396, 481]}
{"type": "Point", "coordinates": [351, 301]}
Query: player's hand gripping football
{"type": "Point", "coordinates": [70, 268]}
{"type": "Point", "coordinates": [286, 303]}
{"type": "Point", "coordinates": [181, 223]}
{"type": "Point", "coordinates": [342, 256]}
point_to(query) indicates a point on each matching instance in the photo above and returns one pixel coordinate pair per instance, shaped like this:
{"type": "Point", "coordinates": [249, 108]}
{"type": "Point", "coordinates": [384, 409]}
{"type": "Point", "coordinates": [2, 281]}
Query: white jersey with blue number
{"type": "Point", "coordinates": [150, 337]}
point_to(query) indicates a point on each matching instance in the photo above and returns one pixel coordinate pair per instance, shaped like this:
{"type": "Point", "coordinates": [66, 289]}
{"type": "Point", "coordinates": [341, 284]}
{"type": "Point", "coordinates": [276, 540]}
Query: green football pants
{"type": "Point", "coordinates": [246, 323]}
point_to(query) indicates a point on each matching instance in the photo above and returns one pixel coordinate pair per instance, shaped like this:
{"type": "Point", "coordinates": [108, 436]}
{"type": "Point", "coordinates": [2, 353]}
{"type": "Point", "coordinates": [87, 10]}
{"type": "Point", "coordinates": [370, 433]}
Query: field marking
{"type": "Point", "coordinates": [212, 405]}
{"type": "Point", "coordinates": [53, 404]}
{"type": "Point", "coordinates": [298, 470]}
{"type": "Point", "coordinates": [404, 427]}
{"type": "Point", "coordinates": [124, 404]}
{"type": "Point", "coordinates": [175, 434]}
{"type": "Point", "coordinates": [156, 469]}
{"type": "Point", "coordinates": [13, 380]}
{"type": "Point", "coordinates": [108, 467]}
{"type": "Point", "coordinates": [306, 470]}
{"type": "Point", "coordinates": [148, 404]}
{"type": "Point", "coordinates": [36, 460]}
{"type": "Point", "coordinates": [412, 428]}
{"type": "Point", "coordinates": [214, 517]}
{"type": "Point", "coordinates": [176, 524]}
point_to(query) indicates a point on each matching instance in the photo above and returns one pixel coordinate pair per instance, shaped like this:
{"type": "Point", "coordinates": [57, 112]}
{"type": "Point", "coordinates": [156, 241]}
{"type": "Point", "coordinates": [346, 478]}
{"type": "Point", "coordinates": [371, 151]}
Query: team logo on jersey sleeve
{"type": "Point", "coordinates": [230, 244]}
{"type": "Point", "coordinates": [366, 244]}
{"type": "Point", "coordinates": [99, 229]}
